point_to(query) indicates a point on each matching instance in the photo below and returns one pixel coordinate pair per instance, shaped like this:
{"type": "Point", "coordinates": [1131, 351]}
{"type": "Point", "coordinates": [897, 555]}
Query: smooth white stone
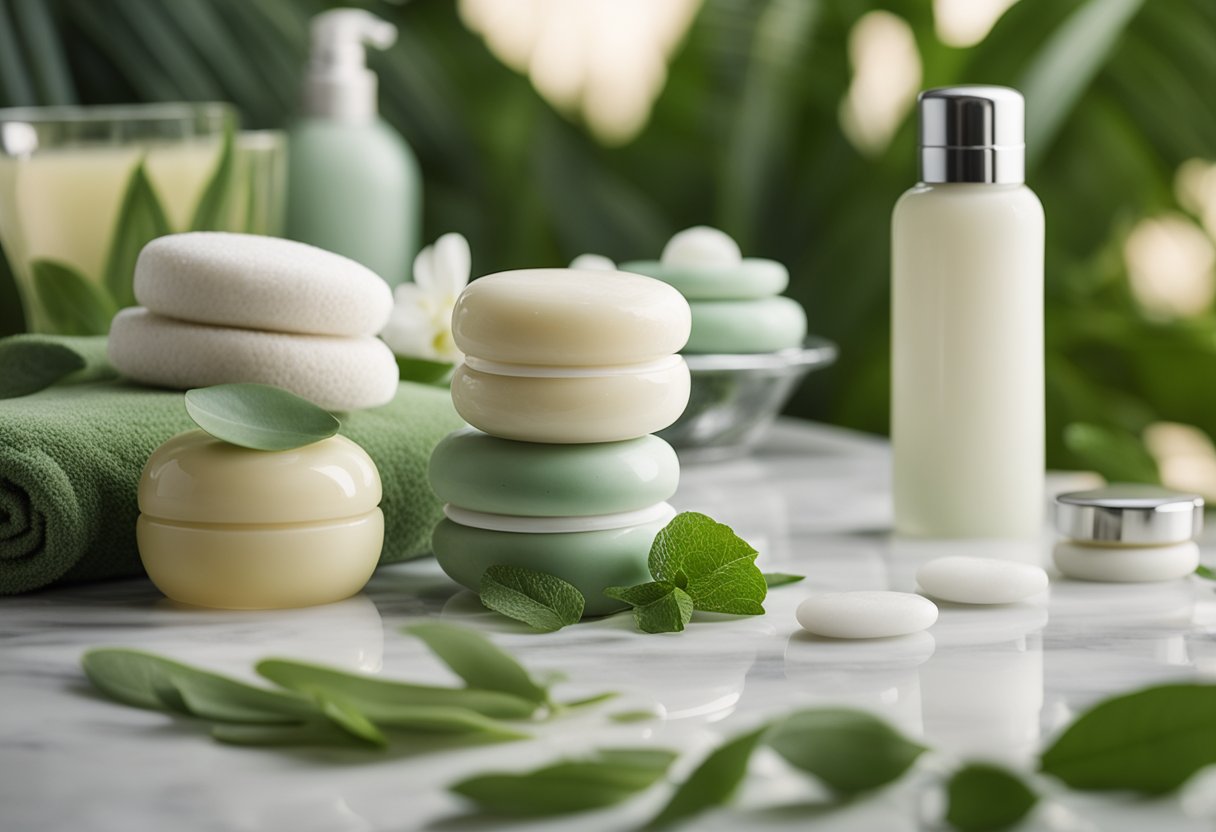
{"type": "Point", "coordinates": [701, 246]}
{"type": "Point", "coordinates": [874, 614]}
{"type": "Point", "coordinates": [971, 580]}
{"type": "Point", "coordinates": [1126, 564]}
{"type": "Point", "coordinates": [593, 263]}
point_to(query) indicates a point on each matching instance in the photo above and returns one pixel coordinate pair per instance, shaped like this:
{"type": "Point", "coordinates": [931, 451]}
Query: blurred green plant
{"type": "Point", "coordinates": [745, 136]}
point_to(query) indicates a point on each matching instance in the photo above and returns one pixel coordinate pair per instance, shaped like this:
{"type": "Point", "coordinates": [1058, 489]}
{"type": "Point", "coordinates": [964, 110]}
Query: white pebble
{"type": "Point", "coordinates": [866, 614]}
{"type": "Point", "coordinates": [701, 246]}
{"type": "Point", "coordinates": [593, 263]}
{"type": "Point", "coordinates": [971, 580]}
{"type": "Point", "coordinates": [1127, 564]}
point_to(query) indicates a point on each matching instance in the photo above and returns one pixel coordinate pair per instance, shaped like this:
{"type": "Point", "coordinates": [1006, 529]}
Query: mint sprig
{"type": "Point", "coordinates": [658, 607]}
{"type": "Point", "coordinates": [542, 601]}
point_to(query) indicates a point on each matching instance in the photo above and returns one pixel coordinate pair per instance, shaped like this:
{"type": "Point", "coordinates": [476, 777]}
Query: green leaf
{"type": "Point", "coordinates": [141, 219]}
{"type": "Point", "coordinates": [1116, 454]}
{"type": "Point", "coordinates": [633, 716]}
{"type": "Point", "coordinates": [145, 680]}
{"type": "Point", "coordinates": [424, 371]}
{"type": "Point", "coordinates": [658, 606]}
{"type": "Point", "coordinates": [383, 700]}
{"type": "Point", "coordinates": [1205, 572]}
{"type": "Point", "coordinates": [987, 798]}
{"type": "Point", "coordinates": [474, 658]}
{"type": "Point", "coordinates": [721, 568]}
{"type": "Point", "coordinates": [259, 416]}
{"type": "Point", "coordinates": [772, 579]}
{"type": "Point", "coordinates": [849, 751]}
{"type": "Point", "coordinates": [1150, 741]}
{"type": "Point", "coordinates": [325, 734]}
{"type": "Point", "coordinates": [588, 701]}
{"type": "Point", "coordinates": [713, 783]}
{"type": "Point", "coordinates": [29, 363]}
{"type": "Point", "coordinates": [604, 779]}
{"type": "Point", "coordinates": [211, 213]}
{"type": "Point", "coordinates": [544, 602]}
{"type": "Point", "coordinates": [352, 722]}
{"type": "Point", "coordinates": [72, 304]}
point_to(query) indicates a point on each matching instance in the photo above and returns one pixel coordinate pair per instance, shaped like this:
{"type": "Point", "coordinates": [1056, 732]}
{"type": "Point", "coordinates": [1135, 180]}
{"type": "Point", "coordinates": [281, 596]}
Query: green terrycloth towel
{"type": "Point", "coordinates": [71, 458]}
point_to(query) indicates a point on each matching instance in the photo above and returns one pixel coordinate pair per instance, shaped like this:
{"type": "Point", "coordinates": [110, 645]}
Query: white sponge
{"type": "Point", "coordinates": [335, 373]}
{"type": "Point", "coordinates": [254, 282]}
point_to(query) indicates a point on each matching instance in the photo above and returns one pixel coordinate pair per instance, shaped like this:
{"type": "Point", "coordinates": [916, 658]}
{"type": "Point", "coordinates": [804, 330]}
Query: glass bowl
{"type": "Point", "coordinates": [734, 398]}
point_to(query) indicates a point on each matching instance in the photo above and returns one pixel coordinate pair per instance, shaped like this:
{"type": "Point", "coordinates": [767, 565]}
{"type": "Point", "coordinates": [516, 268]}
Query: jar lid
{"type": "Point", "coordinates": [1129, 514]}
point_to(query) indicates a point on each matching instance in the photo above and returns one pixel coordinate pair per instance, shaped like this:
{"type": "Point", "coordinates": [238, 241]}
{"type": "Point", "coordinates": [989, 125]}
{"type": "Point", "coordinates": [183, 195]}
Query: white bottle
{"type": "Point", "coordinates": [967, 325]}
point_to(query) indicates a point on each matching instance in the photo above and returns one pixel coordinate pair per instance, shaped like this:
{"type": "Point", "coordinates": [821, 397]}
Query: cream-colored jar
{"type": "Point", "coordinates": [1128, 534]}
{"type": "Point", "coordinates": [229, 527]}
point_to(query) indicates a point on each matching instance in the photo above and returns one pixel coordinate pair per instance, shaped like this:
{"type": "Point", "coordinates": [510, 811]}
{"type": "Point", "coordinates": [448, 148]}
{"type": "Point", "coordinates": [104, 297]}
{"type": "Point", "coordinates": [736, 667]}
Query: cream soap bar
{"type": "Point", "coordinates": [487, 474]}
{"type": "Point", "coordinates": [233, 528]}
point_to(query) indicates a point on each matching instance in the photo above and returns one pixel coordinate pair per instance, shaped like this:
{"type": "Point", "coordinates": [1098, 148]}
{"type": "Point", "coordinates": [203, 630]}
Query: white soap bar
{"type": "Point", "coordinates": [701, 246]}
{"type": "Point", "coordinates": [866, 614]}
{"type": "Point", "coordinates": [1127, 564]}
{"type": "Point", "coordinates": [254, 282]}
{"type": "Point", "coordinates": [971, 580]}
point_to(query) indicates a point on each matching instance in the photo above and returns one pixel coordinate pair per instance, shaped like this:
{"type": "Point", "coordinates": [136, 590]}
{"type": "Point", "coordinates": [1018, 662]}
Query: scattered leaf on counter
{"type": "Point", "coordinates": [1205, 572]}
{"type": "Point", "coordinates": [474, 658]}
{"type": "Point", "coordinates": [351, 721]}
{"type": "Point", "coordinates": [542, 601]}
{"type": "Point", "coordinates": [658, 607]}
{"type": "Point", "coordinates": [772, 579]}
{"type": "Point", "coordinates": [633, 716]}
{"type": "Point", "coordinates": [605, 778]}
{"type": "Point", "coordinates": [849, 751]}
{"type": "Point", "coordinates": [259, 416]}
{"type": "Point", "coordinates": [987, 798]}
{"type": "Point", "coordinates": [588, 701]}
{"type": "Point", "coordinates": [719, 566]}
{"type": "Point", "coordinates": [1150, 741]}
{"type": "Point", "coordinates": [713, 783]}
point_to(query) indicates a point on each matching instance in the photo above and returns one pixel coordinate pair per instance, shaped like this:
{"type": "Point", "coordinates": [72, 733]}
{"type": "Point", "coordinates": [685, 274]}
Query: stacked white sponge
{"type": "Point", "coordinates": [220, 308]}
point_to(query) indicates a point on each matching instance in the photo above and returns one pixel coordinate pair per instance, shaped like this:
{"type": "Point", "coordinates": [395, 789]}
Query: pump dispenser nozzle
{"type": "Point", "coordinates": [338, 84]}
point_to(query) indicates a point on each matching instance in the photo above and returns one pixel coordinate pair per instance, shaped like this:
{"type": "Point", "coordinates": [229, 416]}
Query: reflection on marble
{"type": "Point", "coordinates": [995, 683]}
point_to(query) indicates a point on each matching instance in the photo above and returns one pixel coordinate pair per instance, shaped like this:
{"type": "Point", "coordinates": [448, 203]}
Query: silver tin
{"type": "Point", "coordinates": [1129, 515]}
{"type": "Point", "coordinates": [972, 134]}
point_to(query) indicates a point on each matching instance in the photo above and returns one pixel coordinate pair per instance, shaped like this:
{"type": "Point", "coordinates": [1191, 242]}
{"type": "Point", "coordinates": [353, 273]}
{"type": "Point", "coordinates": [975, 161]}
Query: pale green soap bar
{"type": "Point", "coordinates": [746, 326]}
{"type": "Point", "coordinates": [477, 471]}
{"type": "Point", "coordinates": [751, 278]}
{"type": "Point", "coordinates": [591, 561]}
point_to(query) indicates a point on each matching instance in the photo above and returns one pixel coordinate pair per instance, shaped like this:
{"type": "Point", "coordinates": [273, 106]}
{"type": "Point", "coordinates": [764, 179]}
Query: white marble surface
{"type": "Point", "coordinates": [996, 683]}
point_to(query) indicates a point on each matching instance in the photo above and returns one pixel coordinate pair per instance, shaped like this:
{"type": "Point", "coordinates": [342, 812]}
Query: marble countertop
{"type": "Point", "coordinates": [995, 683]}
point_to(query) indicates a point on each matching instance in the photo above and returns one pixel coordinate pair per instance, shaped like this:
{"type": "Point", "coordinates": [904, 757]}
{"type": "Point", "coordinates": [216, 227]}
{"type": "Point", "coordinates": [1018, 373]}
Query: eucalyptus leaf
{"type": "Point", "coordinates": [1150, 741]}
{"type": "Point", "coordinates": [719, 565]}
{"type": "Point", "coordinates": [772, 579]}
{"type": "Point", "coordinates": [211, 213]}
{"type": "Point", "coordinates": [987, 798]}
{"type": "Point", "coordinates": [145, 680]}
{"type": "Point", "coordinates": [605, 778]}
{"type": "Point", "coordinates": [474, 658]}
{"type": "Point", "coordinates": [849, 751]}
{"type": "Point", "coordinates": [713, 783]}
{"type": "Point", "coordinates": [542, 601]}
{"type": "Point", "coordinates": [72, 304]}
{"type": "Point", "coordinates": [141, 219]}
{"type": "Point", "coordinates": [381, 700]}
{"type": "Point", "coordinates": [658, 606]}
{"type": "Point", "coordinates": [259, 416]}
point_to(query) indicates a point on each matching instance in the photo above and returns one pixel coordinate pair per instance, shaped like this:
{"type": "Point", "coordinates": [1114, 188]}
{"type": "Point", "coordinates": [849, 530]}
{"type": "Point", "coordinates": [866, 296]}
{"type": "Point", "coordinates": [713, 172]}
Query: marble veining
{"type": "Point", "coordinates": [994, 682]}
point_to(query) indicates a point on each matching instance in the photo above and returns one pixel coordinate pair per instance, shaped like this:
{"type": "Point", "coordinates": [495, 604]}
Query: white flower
{"type": "Point", "coordinates": [421, 323]}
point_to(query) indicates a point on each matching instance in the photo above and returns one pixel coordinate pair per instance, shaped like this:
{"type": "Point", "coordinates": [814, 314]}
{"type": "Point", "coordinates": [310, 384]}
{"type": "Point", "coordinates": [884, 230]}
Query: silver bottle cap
{"type": "Point", "coordinates": [972, 134]}
{"type": "Point", "coordinates": [1129, 514]}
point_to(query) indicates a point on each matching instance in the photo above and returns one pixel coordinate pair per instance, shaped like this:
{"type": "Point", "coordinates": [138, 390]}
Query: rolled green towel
{"type": "Point", "coordinates": [71, 457]}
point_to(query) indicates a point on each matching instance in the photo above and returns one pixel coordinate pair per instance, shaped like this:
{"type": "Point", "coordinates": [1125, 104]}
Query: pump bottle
{"type": "Point", "coordinates": [967, 325]}
{"type": "Point", "coordinates": [354, 186]}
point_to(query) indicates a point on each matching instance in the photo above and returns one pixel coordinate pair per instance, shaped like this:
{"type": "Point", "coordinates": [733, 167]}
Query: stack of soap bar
{"type": "Point", "coordinates": [566, 374]}
{"type": "Point", "coordinates": [736, 302]}
{"type": "Point", "coordinates": [221, 308]}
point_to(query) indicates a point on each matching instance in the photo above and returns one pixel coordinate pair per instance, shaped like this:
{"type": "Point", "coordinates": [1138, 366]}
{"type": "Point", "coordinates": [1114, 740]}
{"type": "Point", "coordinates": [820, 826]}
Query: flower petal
{"type": "Point", "coordinates": [450, 265]}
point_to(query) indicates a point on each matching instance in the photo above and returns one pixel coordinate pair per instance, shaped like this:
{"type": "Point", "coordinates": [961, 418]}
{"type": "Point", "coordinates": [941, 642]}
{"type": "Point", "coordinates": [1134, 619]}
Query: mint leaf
{"type": "Point", "coordinates": [713, 782]}
{"type": "Point", "coordinates": [1205, 572]}
{"type": "Point", "coordinates": [474, 658]}
{"type": "Point", "coordinates": [1150, 741]}
{"type": "Point", "coordinates": [849, 751]}
{"type": "Point", "coordinates": [987, 798]}
{"type": "Point", "coordinates": [772, 579]}
{"type": "Point", "coordinates": [544, 602]}
{"type": "Point", "coordinates": [658, 607]}
{"type": "Point", "coordinates": [720, 566]}
{"type": "Point", "coordinates": [384, 700]}
{"type": "Point", "coordinates": [603, 779]}
{"type": "Point", "coordinates": [259, 416]}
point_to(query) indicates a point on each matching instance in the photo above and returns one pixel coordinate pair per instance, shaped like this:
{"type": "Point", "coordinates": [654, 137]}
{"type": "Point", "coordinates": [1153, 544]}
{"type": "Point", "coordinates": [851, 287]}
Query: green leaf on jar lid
{"type": "Point", "coordinates": [259, 416]}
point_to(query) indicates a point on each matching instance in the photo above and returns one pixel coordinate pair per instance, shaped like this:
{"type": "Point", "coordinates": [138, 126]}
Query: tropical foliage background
{"type": "Point", "coordinates": [746, 134]}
